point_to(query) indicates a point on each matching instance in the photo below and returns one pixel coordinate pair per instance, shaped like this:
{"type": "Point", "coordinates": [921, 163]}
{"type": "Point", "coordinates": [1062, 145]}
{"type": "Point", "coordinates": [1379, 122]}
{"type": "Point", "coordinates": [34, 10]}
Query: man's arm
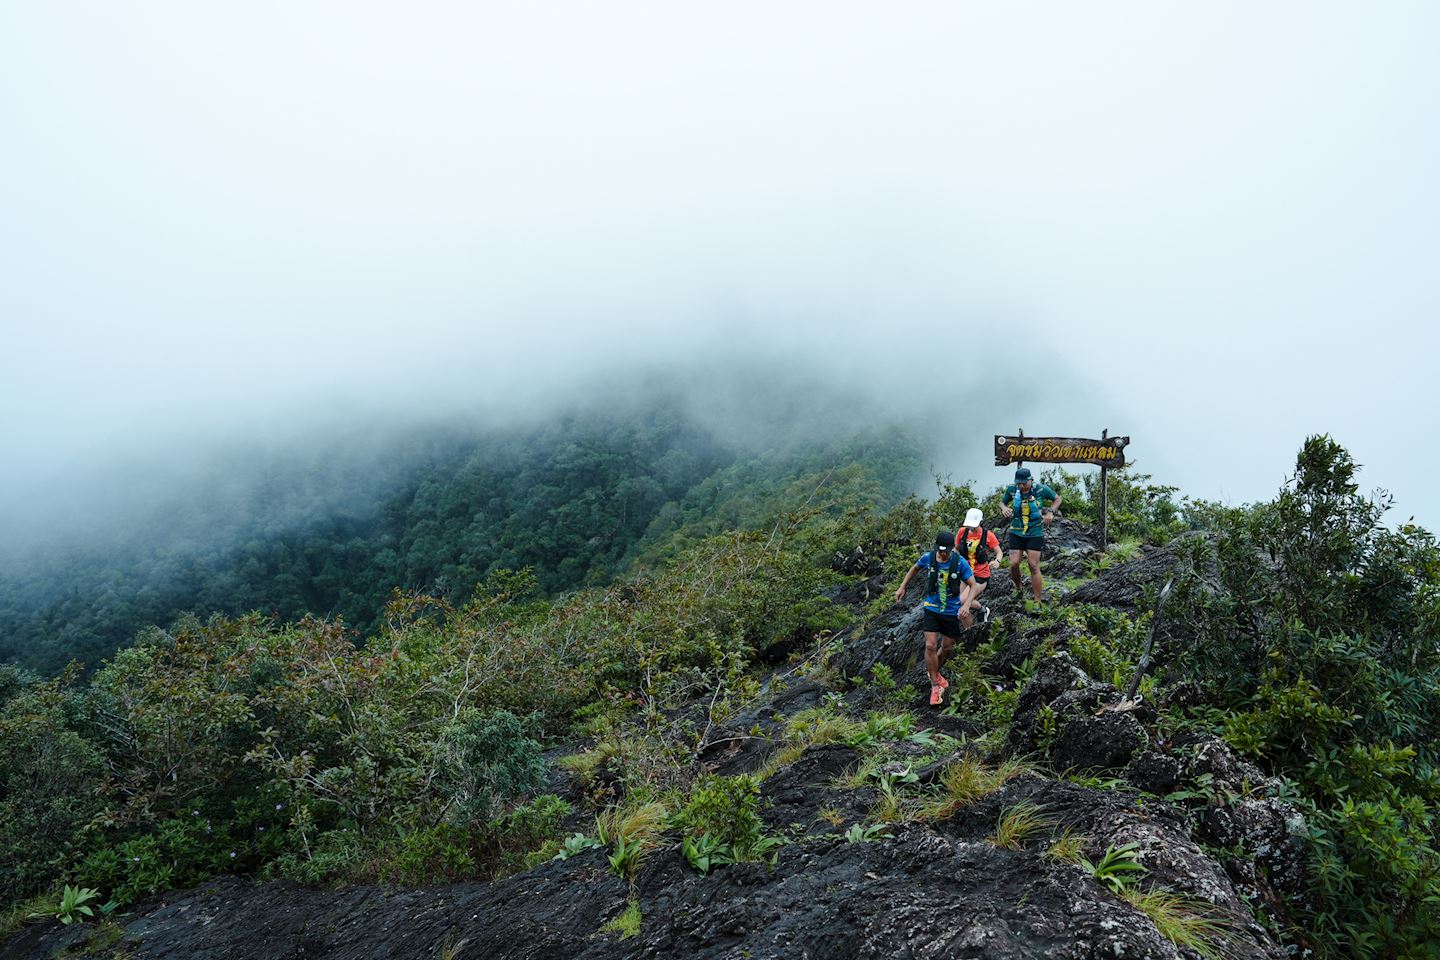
{"type": "Point", "coordinates": [900, 594]}
{"type": "Point", "coordinates": [1054, 507]}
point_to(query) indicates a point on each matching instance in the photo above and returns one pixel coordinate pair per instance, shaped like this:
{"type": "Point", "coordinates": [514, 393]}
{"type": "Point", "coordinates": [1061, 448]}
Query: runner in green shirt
{"type": "Point", "coordinates": [1027, 515]}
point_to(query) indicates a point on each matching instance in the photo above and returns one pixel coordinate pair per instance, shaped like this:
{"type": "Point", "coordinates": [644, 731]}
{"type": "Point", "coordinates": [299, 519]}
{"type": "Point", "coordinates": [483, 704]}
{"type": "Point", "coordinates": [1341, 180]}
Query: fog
{"type": "Point", "coordinates": [1209, 227]}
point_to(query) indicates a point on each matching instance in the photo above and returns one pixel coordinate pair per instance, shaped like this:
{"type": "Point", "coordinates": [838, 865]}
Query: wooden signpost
{"type": "Point", "coordinates": [1108, 453]}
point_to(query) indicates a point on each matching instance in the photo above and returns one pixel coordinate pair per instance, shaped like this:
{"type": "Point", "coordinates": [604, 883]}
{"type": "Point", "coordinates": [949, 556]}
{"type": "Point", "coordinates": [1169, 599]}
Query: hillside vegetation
{"type": "Point", "coordinates": [577, 501]}
{"type": "Point", "coordinates": [751, 703]}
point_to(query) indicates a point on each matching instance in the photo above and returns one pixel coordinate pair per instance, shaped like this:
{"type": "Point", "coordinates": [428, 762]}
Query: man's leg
{"type": "Point", "coordinates": [1015, 570]}
{"type": "Point", "coordinates": [932, 659]}
{"type": "Point", "coordinates": [947, 650]}
{"type": "Point", "coordinates": [1037, 582]}
{"type": "Point", "coordinates": [974, 601]}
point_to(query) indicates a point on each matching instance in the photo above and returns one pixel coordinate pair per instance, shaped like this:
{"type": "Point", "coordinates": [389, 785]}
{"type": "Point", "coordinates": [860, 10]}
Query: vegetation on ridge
{"type": "Point", "coordinates": [242, 745]}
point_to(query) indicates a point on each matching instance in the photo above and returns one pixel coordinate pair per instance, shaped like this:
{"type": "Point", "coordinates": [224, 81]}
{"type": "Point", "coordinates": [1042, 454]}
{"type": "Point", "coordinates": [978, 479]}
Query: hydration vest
{"type": "Point", "coordinates": [948, 586]}
{"type": "Point", "coordinates": [975, 550]}
{"type": "Point", "coordinates": [1034, 515]}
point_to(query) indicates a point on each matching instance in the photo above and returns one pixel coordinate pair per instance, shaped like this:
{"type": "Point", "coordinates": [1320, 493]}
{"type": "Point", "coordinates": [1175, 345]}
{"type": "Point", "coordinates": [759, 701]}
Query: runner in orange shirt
{"type": "Point", "coordinates": [979, 547]}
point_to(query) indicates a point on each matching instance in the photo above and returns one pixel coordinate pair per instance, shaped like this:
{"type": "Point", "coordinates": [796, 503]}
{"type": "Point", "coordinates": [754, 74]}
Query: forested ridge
{"type": "Point", "coordinates": [728, 746]}
{"type": "Point", "coordinates": [576, 499]}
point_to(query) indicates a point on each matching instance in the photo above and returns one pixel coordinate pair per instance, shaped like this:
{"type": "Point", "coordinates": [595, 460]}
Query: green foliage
{"type": "Point", "coordinates": [1184, 921]}
{"type": "Point", "coordinates": [1118, 869]}
{"type": "Point", "coordinates": [578, 501]}
{"type": "Point", "coordinates": [626, 923]}
{"type": "Point", "coordinates": [1017, 823]}
{"type": "Point", "coordinates": [1069, 847]}
{"type": "Point", "coordinates": [965, 781]}
{"type": "Point", "coordinates": [867, 834]}
{"type": "Point", "coordinates": [704, 851]}
{"type": "Point", "coordinates": [631, 832]}
{"type": "Point", "coordinates": [1318, 652]}
{"type": "Point", "coordinates": [1139, 510]}
{"type": "Point", "coordinates": [486, 759]}
{"type": "Point", "coordinates": [726, 808]}
{"type": "Point", "coordinates": [74, 902]}
{"type": "Point", "coordinates": [51, 778]}
{"type": "Point", "coordinates": [575, 844]}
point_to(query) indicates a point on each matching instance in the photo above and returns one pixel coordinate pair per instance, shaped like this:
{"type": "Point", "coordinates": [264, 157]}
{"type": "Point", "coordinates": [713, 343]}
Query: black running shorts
{"type": "Point", "coordinates": [1017, 542]}
{"type": "Point", "coordinates": [937, 623]}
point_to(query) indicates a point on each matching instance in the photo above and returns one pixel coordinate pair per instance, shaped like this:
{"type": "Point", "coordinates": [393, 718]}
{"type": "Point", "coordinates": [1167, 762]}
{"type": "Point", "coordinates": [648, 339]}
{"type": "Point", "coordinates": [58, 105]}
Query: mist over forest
{"type": "Point", "coordinates": [578, 486]}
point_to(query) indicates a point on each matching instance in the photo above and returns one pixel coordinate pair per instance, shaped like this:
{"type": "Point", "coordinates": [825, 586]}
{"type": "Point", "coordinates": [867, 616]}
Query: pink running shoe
{"type": "Point", "coordinates": [937, 693]}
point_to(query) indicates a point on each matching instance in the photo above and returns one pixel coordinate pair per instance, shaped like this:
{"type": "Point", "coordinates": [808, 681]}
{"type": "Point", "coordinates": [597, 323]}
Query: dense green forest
{"type": "Point", "coordinates": [576, 499]}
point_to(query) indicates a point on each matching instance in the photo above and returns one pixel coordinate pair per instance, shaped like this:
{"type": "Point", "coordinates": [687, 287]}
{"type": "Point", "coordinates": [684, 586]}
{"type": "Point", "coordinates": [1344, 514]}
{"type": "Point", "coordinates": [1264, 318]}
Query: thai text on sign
{"type": "Point", "coordinates": [1109, 452]}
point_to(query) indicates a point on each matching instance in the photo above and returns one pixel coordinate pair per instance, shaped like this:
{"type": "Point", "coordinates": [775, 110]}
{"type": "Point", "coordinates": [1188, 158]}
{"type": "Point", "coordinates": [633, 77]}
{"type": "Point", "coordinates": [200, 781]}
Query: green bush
{"type": "Point", "coordinates": [50, 789]}
{"type": "Point", "coordinates": [486, 759]}
{"type": "Point", "coordinates": [1314, 634]}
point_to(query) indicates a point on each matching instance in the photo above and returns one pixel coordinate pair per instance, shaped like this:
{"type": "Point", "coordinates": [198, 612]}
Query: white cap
{"type": "Point", "coordinates": [973, 517]}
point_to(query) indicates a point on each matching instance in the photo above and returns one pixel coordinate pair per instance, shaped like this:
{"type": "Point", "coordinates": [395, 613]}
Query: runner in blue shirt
{"type": "Point", "coordinates": [1027, 517]}
{"type": "Point", "coordinates": [948, 575]}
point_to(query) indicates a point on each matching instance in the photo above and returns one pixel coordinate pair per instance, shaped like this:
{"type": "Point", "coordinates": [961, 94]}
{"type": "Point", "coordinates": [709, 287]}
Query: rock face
{"type": "Point", "coordinates": [923, 888]}
{"type": "Point", "coordinates": [920, 893]}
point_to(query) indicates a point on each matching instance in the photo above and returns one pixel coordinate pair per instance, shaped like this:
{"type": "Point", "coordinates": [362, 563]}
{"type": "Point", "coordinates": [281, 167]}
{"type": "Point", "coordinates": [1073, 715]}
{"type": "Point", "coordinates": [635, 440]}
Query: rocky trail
{"type": "Point", "coordinates": [1221, 853]}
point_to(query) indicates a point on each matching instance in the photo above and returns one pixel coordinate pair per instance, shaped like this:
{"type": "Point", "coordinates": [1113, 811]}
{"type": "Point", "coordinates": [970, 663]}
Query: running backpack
{"type": "Point", "coordinates": [977, 552]}
{"type": "Point", "coordinates": [952, 571]}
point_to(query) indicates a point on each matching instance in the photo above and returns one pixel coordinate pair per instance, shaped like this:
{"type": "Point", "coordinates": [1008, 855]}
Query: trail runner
{"type": "Point", "coordinates": [948, 578]}
{"type": "Point", "coordinates": [1027, 516]}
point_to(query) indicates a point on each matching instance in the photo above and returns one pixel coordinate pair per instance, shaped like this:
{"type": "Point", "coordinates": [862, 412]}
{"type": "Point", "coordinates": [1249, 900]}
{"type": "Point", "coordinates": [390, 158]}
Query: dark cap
{"type": "Point", "coordinates": [945, 539]}
{"type": "Point", "coordinates": [1022, 474]}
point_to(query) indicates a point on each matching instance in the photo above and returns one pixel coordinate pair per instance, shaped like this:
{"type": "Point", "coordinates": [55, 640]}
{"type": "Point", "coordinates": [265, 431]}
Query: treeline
{"type": "Point", "coordinates": [577, 500]}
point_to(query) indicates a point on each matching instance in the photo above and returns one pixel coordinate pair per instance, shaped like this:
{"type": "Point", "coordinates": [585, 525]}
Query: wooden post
{"type": "Point", "coordinates": [1020, 435]}
{"type": "Point", "coordinates": [1104, 497]}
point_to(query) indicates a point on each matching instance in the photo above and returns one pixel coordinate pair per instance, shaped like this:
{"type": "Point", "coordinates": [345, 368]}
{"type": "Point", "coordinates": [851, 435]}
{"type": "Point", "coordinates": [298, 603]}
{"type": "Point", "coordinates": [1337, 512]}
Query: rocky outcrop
{"type": "Point", "coordinates": [919, 893]}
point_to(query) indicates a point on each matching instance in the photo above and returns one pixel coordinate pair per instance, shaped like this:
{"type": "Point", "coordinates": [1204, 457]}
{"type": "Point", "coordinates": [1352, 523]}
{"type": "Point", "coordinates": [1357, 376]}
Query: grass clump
{"type": "Point", "coordinates": [1069, 847]}
{"type": "Point", "coordinates": [1017, 823]}
{"type": "Point", "coordinates": [626, 923]}
{"type": "Point", "coordinates": [965, 781]}
{"type": "Point", "coordinates": [1184, 921]}
{"type": "Point", "coordinates": [631, 832]}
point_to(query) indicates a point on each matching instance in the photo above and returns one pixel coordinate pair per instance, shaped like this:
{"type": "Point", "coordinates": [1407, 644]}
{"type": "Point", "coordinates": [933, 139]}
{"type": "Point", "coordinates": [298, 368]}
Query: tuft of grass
{"type": "Point", "coordinates": [626, 923]}
{"type": "Point", "coordinates": [1017, 823]}
{"type": "Point", "coordinates": [1184, 921]}
{"type": "Point", "coordinates": [965, 781]}
{"type": "Point", "coordinates": [632, 832]}
{"type": "Point", "coordinates": [818, 726]}
{"type": "Point", "coordinates": [830, 815]}
{"type": "Point", "coordinates": [16, 916]}
{"type": "Point", "coordinates": [1068, 847]}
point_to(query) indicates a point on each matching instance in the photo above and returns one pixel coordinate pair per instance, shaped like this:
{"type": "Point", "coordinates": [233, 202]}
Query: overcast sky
{"type": "Point", "coordinates": [1212, 227]}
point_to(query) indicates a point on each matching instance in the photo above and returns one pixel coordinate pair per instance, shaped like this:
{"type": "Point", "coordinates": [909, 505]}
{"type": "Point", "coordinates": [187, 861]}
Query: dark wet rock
{"type": "Point", "coordinates": [893, 639]}
{"type": "Point", "coordinates": [858, 593]}
{"type": "Point", "coordinates": [1214, 758]}
{"type": "Point", "coordinates": [1008, 660]}
{"type": "Point", "coordinates": [919, 894]}
{"type": "Point", "coordinates": [1074, 734]}
{"type": "Point", "coordinates": [1157, 773]}
{"type": "Point", "coordinates": [1132, 585]}
{"type": "Point", "coordinates": [795, 797]}
{"type": "Point", "coordinates": [1271, 834]}
{"type": "Point", "coordinates": [1107, 818]}
{"type": "Point", "coordinates": [1106, 742]}
{"type": "Point", "coordinates": [1055, 675]}
{"type": "Point", "coordinates": [858, 562]}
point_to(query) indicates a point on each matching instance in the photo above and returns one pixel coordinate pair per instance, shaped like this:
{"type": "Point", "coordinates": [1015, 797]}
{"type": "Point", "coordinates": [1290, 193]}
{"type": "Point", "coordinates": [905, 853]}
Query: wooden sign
{"type": "Point", "coordinates": [1109, 452]}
